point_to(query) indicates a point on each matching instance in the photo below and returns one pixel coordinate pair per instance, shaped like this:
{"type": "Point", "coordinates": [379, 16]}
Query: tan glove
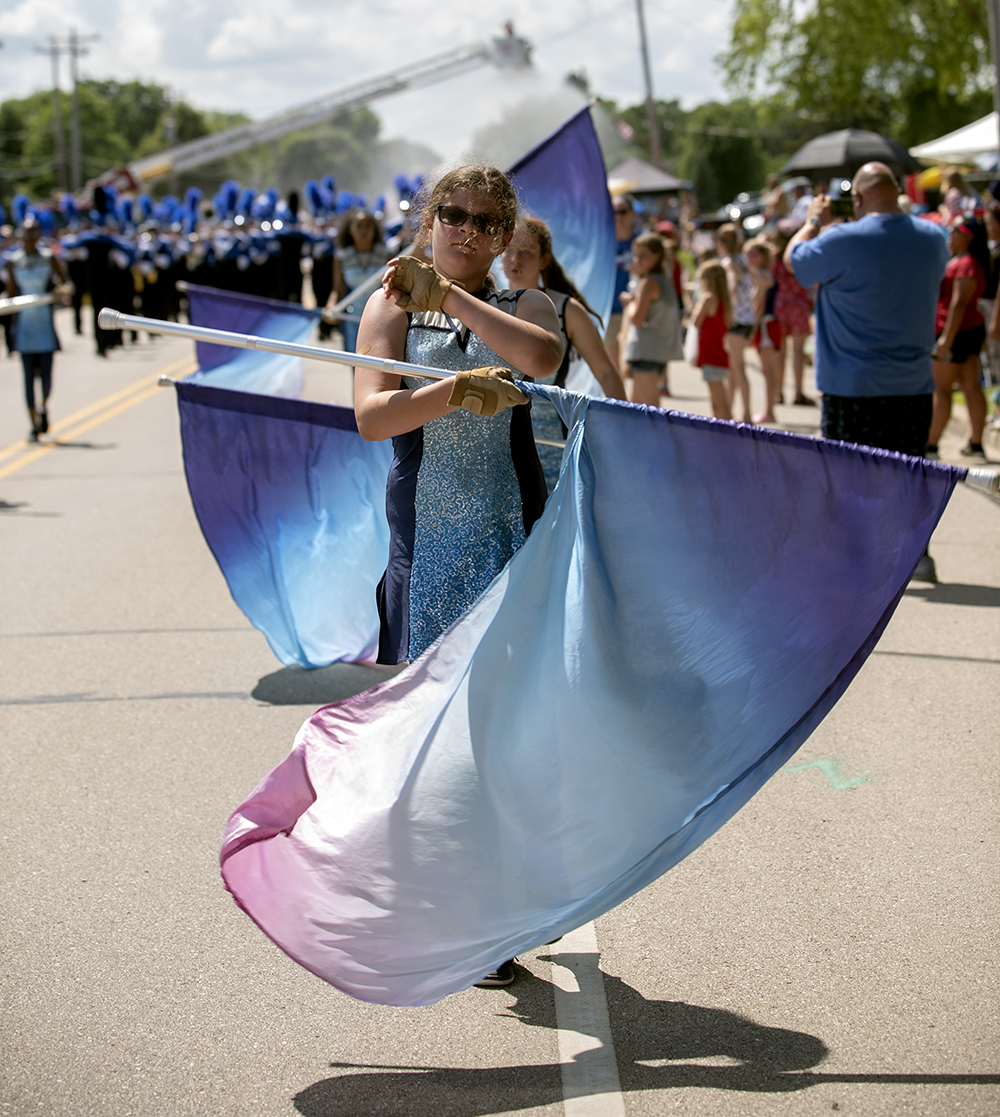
{"type": "Point", "coordinates": [422, 287]}
{"type": "Point", "coordinates": [486, 391]}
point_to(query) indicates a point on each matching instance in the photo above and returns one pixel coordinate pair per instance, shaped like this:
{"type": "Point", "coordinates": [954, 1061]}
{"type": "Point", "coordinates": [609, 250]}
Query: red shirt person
{"type": "Point", "coordinates": [961, 333]}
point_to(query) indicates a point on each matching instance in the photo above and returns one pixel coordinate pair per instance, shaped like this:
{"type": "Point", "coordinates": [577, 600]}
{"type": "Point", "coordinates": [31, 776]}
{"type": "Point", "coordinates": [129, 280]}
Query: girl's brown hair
{"type": "Point", "coordinates": [477, 178]}
{"type": "Point", "coordinates": [658, 246]}
{"type": "Point", "coordinates": [778, 240]}
{"type": "Point", "coordinates": [728, 238]}
{"type": "Point", "coordinates": [712, 278]}
{"type": "Point", "coordinates": [345, 238]}
{"type": "Point", "coordinates": [553, 276]}
{"type": "Point", "coordinates": [761, 245]}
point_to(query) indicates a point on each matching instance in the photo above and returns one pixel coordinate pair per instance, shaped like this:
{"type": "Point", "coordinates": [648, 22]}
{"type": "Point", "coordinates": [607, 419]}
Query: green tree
{"type": "Point", "coordinates": [902, 67]}
{"type": "Point", "coordinates": [670, 118]}
{"type": "Point", "coordinates": [118, 122]}
{"type": "Point", "coordinates": [721, 152]}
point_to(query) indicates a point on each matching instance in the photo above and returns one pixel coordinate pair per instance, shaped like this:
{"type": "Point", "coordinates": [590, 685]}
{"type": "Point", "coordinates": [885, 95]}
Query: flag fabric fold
{"type": "Point", "coordinates": [249, 370]}
{"type": "Point", "coordinates": [694, 600]}
{"type": "Point", "coordinates": [291, 501]}
{"type": "Point", "coordinates": [562, 180]}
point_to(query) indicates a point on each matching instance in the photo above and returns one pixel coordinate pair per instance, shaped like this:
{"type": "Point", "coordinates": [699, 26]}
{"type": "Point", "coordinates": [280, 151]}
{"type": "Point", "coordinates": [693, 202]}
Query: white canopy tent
{"type": "Point", "coordinates": [964, 144]}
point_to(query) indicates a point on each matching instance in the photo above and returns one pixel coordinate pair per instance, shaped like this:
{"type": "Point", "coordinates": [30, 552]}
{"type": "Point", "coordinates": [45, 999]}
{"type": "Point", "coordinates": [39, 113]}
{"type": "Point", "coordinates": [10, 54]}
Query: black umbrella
{"type": "Point", "coordinates": [842, 153]}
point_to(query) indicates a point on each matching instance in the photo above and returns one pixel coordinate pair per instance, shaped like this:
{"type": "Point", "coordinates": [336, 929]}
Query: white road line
{"type": "Point", "coordinates": [586, 1050]}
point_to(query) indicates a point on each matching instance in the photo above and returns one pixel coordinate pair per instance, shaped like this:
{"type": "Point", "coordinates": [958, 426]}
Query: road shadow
{"type": "Point", "coordinates": [954, 593]}
{"type": "Point", "coordinates": [19, 508]}
{"type": "Point", "coordinates": [740, 1055]}
{"type": "Point", "coordinates": [63, 445]}
{"type": "Point", "coordinates": [643, 1029]}
{"type": "Point", "coordinates": [295, 686]}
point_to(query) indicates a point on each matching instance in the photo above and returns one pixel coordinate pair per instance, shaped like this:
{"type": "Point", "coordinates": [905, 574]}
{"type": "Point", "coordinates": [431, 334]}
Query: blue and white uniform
{"type": "Point", "coordinates": [462, 494]}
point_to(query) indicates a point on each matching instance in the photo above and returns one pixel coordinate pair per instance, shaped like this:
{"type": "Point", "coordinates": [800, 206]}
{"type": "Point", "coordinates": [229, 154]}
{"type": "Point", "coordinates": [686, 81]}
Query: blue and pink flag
{"type": "Point", "coordinates": [291, 501]}
{"type": "Point", "coordinates": [694, 600]}
{"type": "Point", "coordinates": [249, 370]}
{"type": "Point", "coordinates": [562, 180]}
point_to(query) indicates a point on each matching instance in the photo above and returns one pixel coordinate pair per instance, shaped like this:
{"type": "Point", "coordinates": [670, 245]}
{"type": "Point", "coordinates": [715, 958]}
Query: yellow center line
{"type": "Point", "coordinates": [107, 401]}
{"type": "Point", "coordinates": [141, 389]}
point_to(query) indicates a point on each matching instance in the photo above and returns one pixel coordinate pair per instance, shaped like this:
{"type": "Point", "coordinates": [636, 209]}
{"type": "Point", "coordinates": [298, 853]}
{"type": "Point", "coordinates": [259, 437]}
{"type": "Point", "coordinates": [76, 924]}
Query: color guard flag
{"type": "Point", "coordinates": [248, 370]}
{"type": "Point", "coordinates": [694, 600]}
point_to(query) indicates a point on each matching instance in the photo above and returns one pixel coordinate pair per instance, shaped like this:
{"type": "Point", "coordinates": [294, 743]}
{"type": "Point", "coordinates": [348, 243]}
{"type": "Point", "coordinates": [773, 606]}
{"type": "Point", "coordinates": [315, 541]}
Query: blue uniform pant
{"type": "Point", "coordinates": [37, 365]}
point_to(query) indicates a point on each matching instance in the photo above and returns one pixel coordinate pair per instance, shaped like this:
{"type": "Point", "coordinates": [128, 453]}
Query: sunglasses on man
{"type": "Point", "coordinates": [486, 223]}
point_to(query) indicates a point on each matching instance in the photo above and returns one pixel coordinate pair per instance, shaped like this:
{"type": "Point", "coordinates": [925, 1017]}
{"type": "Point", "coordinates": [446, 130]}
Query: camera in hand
{"type": "Point", "coordinates": [842, 207]}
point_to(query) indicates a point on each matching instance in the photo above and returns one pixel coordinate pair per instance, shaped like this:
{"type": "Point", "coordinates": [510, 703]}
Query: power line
{"type": "Point", "coordinates": [76, 48]}
{"type": "Point", "coordinates": [54, 50]}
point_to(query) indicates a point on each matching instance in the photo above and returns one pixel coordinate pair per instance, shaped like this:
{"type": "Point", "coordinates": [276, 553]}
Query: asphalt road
{"type": "Point", "coordinates": [833, 948]}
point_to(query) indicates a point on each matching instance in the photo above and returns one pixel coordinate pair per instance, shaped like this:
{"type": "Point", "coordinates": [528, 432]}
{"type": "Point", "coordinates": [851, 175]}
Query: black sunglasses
{"type": "Point", "coordinates": [486, 223]}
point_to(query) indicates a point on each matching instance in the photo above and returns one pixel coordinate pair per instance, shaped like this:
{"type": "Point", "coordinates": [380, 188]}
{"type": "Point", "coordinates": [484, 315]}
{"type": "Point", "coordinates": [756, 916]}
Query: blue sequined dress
{"type": "Point", "coordinates": [462, 494]}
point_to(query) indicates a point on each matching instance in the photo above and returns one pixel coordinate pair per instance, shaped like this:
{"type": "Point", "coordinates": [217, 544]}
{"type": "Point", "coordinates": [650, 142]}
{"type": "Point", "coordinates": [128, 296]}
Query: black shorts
{"type": "Point", "coordinates": [967, 344]}
{"type": "Point", "coordinates": [900, 423]}
{"type": "Point", "coordinates": [741, 329]}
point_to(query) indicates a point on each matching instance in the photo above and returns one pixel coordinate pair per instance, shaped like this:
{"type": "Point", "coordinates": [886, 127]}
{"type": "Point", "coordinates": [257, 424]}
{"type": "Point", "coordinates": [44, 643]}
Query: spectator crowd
{"type": "Point", "coordinates": [683, 289]}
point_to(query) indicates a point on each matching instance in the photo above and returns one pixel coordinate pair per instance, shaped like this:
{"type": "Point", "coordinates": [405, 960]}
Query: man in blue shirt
{"type": "Point", "coordinates": [878, 286]}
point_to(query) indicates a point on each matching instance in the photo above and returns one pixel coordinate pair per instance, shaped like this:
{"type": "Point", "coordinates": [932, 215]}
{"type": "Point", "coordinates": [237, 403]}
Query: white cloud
{"type": "Point", "coordinates": [260, 57]}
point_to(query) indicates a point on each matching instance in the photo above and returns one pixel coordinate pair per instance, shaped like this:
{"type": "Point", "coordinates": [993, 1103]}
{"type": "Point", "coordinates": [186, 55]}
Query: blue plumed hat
{"type": "Point", "coordinates": [315, 198]}
{"type": "Point", "coordinates": [124, 213]}
{"type": "Point", "coordinates": [265, 204]}
{"type": "Point", "coordinates": [67, 207]}
{"type": "Point", "coordinates": [167, 210]}
{"type": "Point", "coordinates": [244, 203]}
{"type": "Point", "coordinates": [408, 189]}
{"type": "Point", "coordinates": [226, 200]}
{"type": "Point", "coordinates": [19, 206]}
{"type": "Point", "coordinates": [192, 202]}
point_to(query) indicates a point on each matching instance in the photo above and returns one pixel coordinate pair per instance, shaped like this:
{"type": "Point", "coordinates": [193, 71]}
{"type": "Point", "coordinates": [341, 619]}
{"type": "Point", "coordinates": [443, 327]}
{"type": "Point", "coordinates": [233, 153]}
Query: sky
{"type": "Point", "coordinates": [263, 56]}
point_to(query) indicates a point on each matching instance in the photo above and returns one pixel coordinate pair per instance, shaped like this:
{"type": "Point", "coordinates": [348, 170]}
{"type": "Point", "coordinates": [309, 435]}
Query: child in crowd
{"type": "Point", "coordinates": [792, 308]}
{"type": "Point", "coordinates": [767, 337]}
{"type": "Point", "coordinates": [711, 318]}
{"type": "Point", "coordinates": [651, 321]}
{"type": "Point", "coordinates": [742, 289]}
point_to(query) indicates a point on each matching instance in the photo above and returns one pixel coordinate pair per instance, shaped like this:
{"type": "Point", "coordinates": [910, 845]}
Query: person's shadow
{"type": "Point", "coordinates": [752, 1057]}
{"type": "Point", "coordinates": [660, 1045]}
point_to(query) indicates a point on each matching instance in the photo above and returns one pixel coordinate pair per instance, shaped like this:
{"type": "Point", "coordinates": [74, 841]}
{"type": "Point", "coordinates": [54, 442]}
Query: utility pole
{"type": "Point", "coordinates": [993, 9]}
{"type": "Point", "coordinates": [654, 127]}
{"type": "Point", "coordinates": [54, 50]}
{"type": "Point", "coordinates": [76, 47]}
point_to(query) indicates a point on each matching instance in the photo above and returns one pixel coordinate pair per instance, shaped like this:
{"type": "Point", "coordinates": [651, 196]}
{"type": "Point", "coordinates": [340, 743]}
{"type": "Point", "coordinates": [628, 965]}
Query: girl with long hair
{"type": "Point", "coordinates": [742, 290]}
{"type": "Point", "coordinates": [651, 321]}
{"type": "Point", "coordinates": [711, 317]}
{"type": "Point", "coordinates": [529, 263]}
{"type": "Point", "coordinates": [361, 253]}
{"type": "Point", "coordinates": [465, 485]}
{"type": "Point", "coordinates": [792, 308]}
{"type": "Point", "coordinates": [961, 331]}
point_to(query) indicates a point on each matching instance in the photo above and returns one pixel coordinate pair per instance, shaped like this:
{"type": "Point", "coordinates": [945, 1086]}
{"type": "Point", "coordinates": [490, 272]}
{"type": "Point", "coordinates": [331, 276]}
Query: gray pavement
{"type": "Point", "coordinates": [833, 948]}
